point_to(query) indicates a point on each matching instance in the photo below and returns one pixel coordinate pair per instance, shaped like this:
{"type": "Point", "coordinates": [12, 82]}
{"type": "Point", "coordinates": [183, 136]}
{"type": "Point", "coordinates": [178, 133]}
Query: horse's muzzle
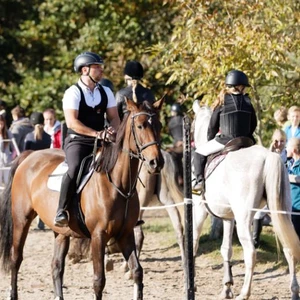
{"type": "Point", "coordinates": [155, 165]}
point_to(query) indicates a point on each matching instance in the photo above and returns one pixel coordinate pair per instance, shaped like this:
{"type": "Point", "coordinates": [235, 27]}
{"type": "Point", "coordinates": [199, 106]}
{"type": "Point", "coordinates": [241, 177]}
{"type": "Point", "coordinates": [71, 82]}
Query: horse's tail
{"type": "Point", "coordinates": [168, 177]}
{"type": "Point", "coordinates": [6, 222]}
{"type": "Point", "coordinates": [279, 199]}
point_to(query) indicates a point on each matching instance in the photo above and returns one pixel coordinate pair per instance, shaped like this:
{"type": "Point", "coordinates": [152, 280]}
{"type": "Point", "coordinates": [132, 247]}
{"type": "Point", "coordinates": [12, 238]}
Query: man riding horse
{"type": "Point", "coordinates": [85, 104]}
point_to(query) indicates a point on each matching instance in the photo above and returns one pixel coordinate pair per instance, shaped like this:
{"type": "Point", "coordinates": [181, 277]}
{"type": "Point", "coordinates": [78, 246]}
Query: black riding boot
{"type": "Point", "coordinates": [199, 166]}
{"type": "Point", "coordinates": [257, 228]}
{"type": "Point", "coordinates": [67, 191]}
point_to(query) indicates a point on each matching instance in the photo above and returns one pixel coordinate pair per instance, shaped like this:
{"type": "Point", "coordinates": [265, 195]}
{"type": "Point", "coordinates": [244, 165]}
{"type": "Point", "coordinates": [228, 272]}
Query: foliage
{"type": "Point", "coordinates": [186, 47]}
{"type": "Point", "coordinates": [259, 37]}
{"type": "Point", "coordinates": [43, 38]}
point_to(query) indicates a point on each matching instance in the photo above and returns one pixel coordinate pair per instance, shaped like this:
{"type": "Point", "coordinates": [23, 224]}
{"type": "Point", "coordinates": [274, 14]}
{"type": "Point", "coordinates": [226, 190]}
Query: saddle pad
{"type": "Point", "coordinates": [55, 178]}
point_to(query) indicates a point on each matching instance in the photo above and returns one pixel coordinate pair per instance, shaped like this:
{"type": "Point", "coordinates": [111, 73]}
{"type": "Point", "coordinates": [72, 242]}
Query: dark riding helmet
{"type": "Point", "coordinates": [176, 107]}
{"type": "Point", "coordinates": [37, 118]}
{"type": "Point", "coordinates": [107, 82]}
{"type": "Point", "coordinates": [134, 69]}
{"type": "Point", "coordinates": [87, 59]}
{"type": "Point", "coordinates": [236, 77]}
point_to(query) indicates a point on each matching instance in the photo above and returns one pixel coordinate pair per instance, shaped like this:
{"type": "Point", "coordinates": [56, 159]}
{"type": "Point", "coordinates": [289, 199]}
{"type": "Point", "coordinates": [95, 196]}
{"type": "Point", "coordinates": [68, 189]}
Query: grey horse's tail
{"type": "Point", "coordinates": [279, 200]}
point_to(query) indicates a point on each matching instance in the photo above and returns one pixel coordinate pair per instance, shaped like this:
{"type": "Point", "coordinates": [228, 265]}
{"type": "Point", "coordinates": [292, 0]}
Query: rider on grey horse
{"type": "Point", "coordinates": [233, 116]}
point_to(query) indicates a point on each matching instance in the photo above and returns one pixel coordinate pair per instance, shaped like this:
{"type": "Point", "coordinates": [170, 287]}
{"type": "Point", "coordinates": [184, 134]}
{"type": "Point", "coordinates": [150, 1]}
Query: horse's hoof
{"type": "Point", "coordinates": [240, 297]}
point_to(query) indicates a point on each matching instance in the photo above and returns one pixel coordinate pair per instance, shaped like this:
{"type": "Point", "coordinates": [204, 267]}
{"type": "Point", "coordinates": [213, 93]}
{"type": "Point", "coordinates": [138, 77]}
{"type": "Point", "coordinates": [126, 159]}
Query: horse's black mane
{"type": "Point", "coordinates": [110, 151]}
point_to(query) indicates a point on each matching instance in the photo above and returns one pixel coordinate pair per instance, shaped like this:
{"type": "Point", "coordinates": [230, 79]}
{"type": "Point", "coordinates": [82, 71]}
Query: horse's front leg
{"type": "Point", "coordinates": [139, 240]}
{"type": "Point", "coordinates": [128, 248]}
{"type": "Point", "coordinates": [226, 252]}
{"type": "Point", "coordinates": [292, 270]}
{"type": "Point", "coordinates": [61, 248]}
{"type": "Point", "coordinates": [99, 242]}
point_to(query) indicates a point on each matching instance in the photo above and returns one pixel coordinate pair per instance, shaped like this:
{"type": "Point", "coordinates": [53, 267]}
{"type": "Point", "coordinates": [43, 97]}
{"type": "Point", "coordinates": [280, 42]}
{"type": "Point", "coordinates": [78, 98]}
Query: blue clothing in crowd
{"type": "Point", "coordinates": [294, 169]}
{"type": "Point", "coordinates": [288, 132]}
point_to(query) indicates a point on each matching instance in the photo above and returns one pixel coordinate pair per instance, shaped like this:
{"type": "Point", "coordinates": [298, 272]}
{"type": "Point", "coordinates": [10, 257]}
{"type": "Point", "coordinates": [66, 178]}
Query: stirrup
{"type": "Point", "coordinates": [61, 219]}
{"type": "Point", "coordinates": [198, 187]}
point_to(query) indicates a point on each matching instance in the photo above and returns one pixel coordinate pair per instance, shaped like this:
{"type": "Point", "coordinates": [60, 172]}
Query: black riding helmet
{"type": "Point", "coordinates": [236, 77]}
{"type": "Point", "coordinates": [134, 69]}
{"type": "Point", "coordinates": [176, 107]}
{"type": "Point", "coordinates": [86, 59]}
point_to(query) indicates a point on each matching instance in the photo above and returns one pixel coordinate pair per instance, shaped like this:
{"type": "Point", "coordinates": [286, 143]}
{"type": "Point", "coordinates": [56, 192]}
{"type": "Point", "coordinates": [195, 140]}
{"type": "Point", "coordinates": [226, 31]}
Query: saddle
{"type": "Point", "coordinates": [215, 159]}
{"type": "Point", "coordinates": [85, 172]}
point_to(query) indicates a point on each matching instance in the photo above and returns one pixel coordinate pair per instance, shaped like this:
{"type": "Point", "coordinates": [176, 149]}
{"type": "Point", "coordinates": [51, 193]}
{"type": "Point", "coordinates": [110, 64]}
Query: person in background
{"type": "Point", "coordinates": [133, 73]}
{"type": "Point", "coordinates": [38, 139]}
{"type": "Point", "coordinates": [108, 83]}
{"type": "Point", "coordinates": [175, 127]}
{"type": "Point", "coordinates": [281, 117]}
{"type": "Point", "coordinates": [293, 130]}
{"type": "Point", "coordinates": [278, 146]}
{"type": "Point", "coordinates": [5, 150]}
{"type": "Point", "coordinates": [233, 115]}
{"type": "Point", "coordinates": [20, 126]}
{"type": "Point", "coordinates": [85, 105]}
{"type": "Point", "coordinates": [5, 113]}
{"type": "Point", "coordinates": [52, 127]}
{"type": "Point", "coordinates": [293, 165]}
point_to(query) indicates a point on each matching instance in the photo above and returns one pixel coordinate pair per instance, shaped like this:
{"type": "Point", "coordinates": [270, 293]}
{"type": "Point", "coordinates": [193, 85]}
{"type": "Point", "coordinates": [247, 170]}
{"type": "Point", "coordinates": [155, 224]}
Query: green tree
{"type": "Point", "coordinates": [259, 37]}
{"type": "Point", "coordinates": [47, 35]}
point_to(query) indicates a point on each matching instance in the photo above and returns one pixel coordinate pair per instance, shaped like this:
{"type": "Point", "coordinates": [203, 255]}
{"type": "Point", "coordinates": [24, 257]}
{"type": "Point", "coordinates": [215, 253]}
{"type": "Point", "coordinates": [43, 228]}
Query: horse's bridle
{"type": "Point", "coordinates": [138, 144]}
{"type": "Point", "coordinates": [138, 156]}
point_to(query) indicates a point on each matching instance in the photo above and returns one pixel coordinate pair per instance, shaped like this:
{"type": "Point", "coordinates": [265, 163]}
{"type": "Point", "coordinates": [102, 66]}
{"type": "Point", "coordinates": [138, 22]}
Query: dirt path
{"type": "Point", "coordinates": [163, 275]}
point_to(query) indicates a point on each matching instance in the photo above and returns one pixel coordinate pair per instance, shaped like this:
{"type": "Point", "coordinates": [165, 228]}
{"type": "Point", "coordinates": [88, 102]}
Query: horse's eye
{"type": "Point", "coordinates": [140, 127]}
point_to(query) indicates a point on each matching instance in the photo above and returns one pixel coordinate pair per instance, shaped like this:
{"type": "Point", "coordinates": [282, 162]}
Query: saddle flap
{"type": "Point", "coordinates": [233, 145]}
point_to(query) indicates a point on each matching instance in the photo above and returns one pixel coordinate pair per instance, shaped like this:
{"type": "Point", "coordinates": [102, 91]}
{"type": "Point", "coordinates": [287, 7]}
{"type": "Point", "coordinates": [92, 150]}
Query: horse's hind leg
{"type": "Point", "coordinates": [243, 225]}
{"type": "Point", "coordinates": [61, 247]}
{"type": "Point", "coordinates": [21, 225]}
{"type": "Point", "coordinates": [127, 246]}
{"type": "Point", "coordinates": [165, 198]}
{"type": "Point", "coordinates": [226, 251]}
{"type": "Point", "coordinates": [292, 270]}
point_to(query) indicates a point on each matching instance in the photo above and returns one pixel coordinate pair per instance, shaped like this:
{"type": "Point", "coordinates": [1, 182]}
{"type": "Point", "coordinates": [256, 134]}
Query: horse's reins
{"type": "Point", "coordinates": [138, 156]}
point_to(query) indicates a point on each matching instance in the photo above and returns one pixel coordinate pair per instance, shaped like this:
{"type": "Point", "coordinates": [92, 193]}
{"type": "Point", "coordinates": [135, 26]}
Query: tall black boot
{"type": "Point", "coordinates": [67, 191]}
{"type": "Point", "coordinates": [257, 228]}
{"type": "Point", "coordinates": [199, 166]}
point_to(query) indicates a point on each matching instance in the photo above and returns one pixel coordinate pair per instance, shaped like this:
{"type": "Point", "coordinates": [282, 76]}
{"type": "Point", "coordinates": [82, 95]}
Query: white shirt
{"type": "Point", "coordinates": [72, 97]}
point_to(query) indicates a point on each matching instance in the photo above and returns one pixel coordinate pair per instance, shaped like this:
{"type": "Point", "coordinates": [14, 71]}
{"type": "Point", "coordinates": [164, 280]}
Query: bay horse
{"type": "Point", "coordinates": [150, 187]}
{"type": "Point", "coordinates": [244, 181]}
{"type": "Point", "coordinates": [108, 201]}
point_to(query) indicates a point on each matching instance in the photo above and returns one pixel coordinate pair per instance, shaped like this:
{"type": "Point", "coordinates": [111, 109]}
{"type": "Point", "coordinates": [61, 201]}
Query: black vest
{"type": "Point", "coordinates": [89, 116]}
{"type": "Point", "coordinates": [235, 118]}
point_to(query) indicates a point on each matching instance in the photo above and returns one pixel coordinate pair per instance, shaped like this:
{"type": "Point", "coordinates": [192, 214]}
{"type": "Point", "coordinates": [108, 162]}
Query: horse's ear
{"type": "Point", "coordinates": [130, 104]}
{"type": "Point", "coordinates": [196, 106]}
{"type": "Point", "coordinates": [158, 104]}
